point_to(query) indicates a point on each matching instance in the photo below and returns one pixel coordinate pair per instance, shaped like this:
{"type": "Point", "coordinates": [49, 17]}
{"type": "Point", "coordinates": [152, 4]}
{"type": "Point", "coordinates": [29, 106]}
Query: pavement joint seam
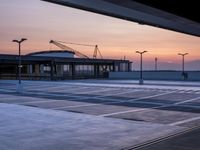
{"type": "Point", "coordinates": [160, 139]}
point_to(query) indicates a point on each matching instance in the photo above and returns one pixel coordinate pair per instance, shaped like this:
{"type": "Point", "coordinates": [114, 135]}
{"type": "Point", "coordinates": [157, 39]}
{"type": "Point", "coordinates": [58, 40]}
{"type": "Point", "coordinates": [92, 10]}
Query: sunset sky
{"type": "Point", "coordinates": [40, 22]}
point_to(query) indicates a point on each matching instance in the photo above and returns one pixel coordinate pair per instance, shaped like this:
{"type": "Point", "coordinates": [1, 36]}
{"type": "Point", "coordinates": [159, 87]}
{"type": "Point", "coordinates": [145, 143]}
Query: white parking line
{"type": "Point", "coordinates": [189, 100]}
{"type": "Point", "coordinates": [36, 87]}
{"type": "Point", "coordinates": [49, 87]}
{"type": "Point", "coordinates": [122, 112]}
{"type": "Point", "coordinates": [71, 95]}
{"type": "Point", "coordinates": [7, 90]}
{"type": "Point", "coordinates": [119, 93]}
{"type": "Point", "coordinates": [95, 91]}
{"type": "Point", "coordinates": [45, 101]}
{"type": "Point", "coordinates": [9, 98]}
{"type": "Point", "coordinates": [152, 96]}
{"type": "Point", "coordinates": [70, 89]}
{"type": "Point", "coordinates": [47, 94]}
{"type": "Point", "coordinates": [184, 121]}
{"type": "Point", "coordinates": [117, 102]}
{"type": "Point", "coordinates": [191, 106]}
{"type": "Point", "coordinates": [76, 106]}
{"type": "Point", "coordinates": [139, 109]}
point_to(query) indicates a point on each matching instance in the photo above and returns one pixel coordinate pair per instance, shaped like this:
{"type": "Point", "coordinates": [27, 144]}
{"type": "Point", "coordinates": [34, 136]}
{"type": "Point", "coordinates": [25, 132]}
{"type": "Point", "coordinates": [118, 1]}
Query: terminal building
{"type": "Point", "coordinates": [59, 65]}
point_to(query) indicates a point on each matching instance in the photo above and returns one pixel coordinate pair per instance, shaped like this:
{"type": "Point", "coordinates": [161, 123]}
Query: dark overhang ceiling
{"type": "Point", "coordinates": [180, 16]}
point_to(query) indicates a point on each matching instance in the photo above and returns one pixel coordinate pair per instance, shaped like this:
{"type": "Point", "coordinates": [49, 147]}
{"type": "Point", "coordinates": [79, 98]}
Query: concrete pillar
{"type": "Point", "coordinates": [113, 67]}
{"type": "Point", "coordinates": [52, 70]}
{"type": "Point", "coordinates": [37, 70]}
{"type": "Point", "coordinates": [96, 70]}
{"type": "Point", "coordinates": [41, 68]}
{"type": "Point", "coordinates": [17, 72]}
{"type": "Point", "coordinates": [57, 70]}
{"type": "Point", "coordinates": [73, 70]}
{"type": "Point", "coordinates": [29, 71]}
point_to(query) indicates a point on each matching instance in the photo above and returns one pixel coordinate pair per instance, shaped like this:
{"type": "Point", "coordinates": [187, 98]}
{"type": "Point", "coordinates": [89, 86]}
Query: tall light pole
{"type": "Point", "coordinates": [141, 77]}
{"type": "Point", "coordinates": [183, 63]}
{"type": "Point", "coordinates": [19, 87]}
{"type": "Point", "coordinates": [156, 64]}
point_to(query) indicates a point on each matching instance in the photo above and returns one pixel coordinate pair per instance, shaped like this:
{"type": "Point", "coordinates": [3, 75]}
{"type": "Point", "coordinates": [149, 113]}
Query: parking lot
{"type": "Point", "coordinates": [174, 106]}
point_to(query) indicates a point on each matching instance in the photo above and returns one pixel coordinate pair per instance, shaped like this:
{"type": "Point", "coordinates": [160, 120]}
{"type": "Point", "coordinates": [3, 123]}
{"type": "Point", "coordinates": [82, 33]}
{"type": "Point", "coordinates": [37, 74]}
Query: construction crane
{"type": "Point", "coordinates": [96, 49]}
{"type": "Point", "coordinates": [64, 47]}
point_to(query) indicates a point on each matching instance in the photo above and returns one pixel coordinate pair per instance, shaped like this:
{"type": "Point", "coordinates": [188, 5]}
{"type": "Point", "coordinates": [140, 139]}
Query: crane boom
{"type": "Point", "coordinates": [64, 47]}
{"type": "Point", "coordinates": [78, 44]}
{"type": "Point", "coordinates": [96, 49]}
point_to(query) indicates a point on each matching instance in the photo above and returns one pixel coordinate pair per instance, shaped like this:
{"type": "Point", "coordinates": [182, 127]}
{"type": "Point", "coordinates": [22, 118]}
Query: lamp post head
{"type": "Point", "coordinates": [17, 41]}
{"type": "Point", "coordinates": [183, 54]}
{"type": "Point", "coordinates": [141, 52]}
{"type": "Point", "coordinates": [23, 39]}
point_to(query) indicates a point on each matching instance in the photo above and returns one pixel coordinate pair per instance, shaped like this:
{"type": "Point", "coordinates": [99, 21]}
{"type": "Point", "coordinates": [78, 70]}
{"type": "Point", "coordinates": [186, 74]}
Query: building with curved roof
{"type": "Point", "coordinates": [58, 65]}
{"type": "Point", "coordinates": [54, 53]}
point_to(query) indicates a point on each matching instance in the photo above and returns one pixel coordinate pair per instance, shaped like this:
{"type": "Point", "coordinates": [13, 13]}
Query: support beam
{"type": "Point", "coordinates": [137, 12]}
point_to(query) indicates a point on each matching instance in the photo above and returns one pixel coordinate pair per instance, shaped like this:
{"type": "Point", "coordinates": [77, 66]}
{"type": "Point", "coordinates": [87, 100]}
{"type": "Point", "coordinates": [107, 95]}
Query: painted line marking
{"type": "Point", "coordinates": [7, 90]}
{"type": "Point", "coordinates": [152, 96]}
{"type": "Point", "coordinates": [184, 121]}
{"type": "Point", "coordinates": [155, 107]}
{"type": "Point", "coordinates": [191, 106]}
{"type": "Point", "coordinates": [49, 87]}
{"type": "Point", "coordinates": [10, 98]}
{"type": "Point", "coordinates": [138, 109]}
{"type": "Point", "coordinates": [108, 103]}
{"type": "Point", "coordinates": [189, 100]}
{"type": "Point", "coordinates": [73, 89]}
{"type": "Point", "coordinates": [75, 106]}
{"type": "Point", "coordinates": [130, 91]}
{"type": "Point", "coordinates": [101, 90]}
{"type": "Point", "coordinates": [38, 87]}
{"type": "Point", "coordinates": [118, 101]}
{"type": "Point", "coordinates": [122, 112]}
{"type": "Point", "coordinates": [46, 88]}
{"type": "Point", "coordinates": [45, 101]}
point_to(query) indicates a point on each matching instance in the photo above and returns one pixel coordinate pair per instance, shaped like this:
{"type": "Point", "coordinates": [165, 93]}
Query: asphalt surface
{"type": "Point", "coordinates": [174, 107]}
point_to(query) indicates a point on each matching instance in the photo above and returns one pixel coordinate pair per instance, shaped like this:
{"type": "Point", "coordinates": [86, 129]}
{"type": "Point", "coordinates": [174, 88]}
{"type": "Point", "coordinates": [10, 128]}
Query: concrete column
{"type": "Point", "coordinates": [52, 70]}
{"type": "Point", "coordinates": [29, 71]}
{"type": "Point", "coordinates": [113, 67]}
{"type": "Point", "coordinates": [41, 68]}
{"type": "Point", "coordinates": [73, 70]}
{"type": "Point", "coordinates": [16, 68]}
{"type": "Point", "coordinates": [59, 69]}
{"type": "Point", "coordinates": [110, 68]}
{"type": "Point", "coordinates": [96, 70]}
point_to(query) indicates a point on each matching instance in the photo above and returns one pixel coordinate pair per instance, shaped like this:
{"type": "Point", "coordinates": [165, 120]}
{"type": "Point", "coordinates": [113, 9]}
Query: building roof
{"type": "Point", "coordinates": [49, 52]}
{"type": "Point", "coordinates": [5, 58]}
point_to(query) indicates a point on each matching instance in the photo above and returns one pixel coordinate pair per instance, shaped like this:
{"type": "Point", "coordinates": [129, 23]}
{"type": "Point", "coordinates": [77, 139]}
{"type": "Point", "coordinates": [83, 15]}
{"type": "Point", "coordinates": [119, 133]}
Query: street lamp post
{"type": "Point", "coordinates": [19, 86]}
{"type": "Point", "coordinates": [183, 63]}
{"type": "Point", "coordinates": [141, 76]}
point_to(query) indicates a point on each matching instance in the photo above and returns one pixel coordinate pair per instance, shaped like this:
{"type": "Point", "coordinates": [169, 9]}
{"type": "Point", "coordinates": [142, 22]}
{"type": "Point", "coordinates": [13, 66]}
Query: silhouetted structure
{"type": "Point", "coordinates": [43, 66]}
